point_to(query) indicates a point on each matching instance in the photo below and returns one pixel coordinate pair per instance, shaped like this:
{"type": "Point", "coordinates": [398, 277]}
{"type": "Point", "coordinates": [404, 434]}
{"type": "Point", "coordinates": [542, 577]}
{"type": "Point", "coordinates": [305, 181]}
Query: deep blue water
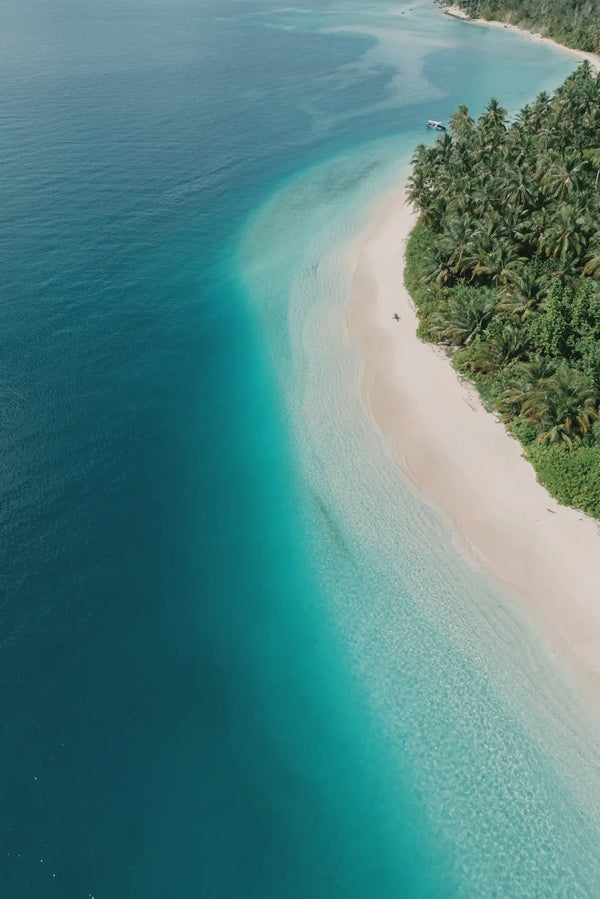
{"type": "Point", "coordinates": [178, 718]}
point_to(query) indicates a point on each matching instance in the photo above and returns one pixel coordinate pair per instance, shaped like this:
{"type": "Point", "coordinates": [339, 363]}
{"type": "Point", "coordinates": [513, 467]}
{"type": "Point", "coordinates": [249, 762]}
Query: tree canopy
{"type": "Point", "coordinates": [505, 263]}
{"type": "Point", "coordinates": [575, 23]}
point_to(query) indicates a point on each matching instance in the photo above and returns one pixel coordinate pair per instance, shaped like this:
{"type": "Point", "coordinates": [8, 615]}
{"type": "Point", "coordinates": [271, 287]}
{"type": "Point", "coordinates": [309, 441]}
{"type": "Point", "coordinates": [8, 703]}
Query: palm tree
{"type": "Point", "coordinates": [418, 185]}
{"type": "Point", "coordinates": [564, 176]}
{"type": "Point", "coordinates": [461, 122]}
{"type": "Point", "coordinates": [494, 117]}
{"type": "Point", "coordinates": [565, 405]}
{"type": "Point", "coordinates": [469, 313]}
{"type": "Point", "coordinates": [457, 242]}
{"type": "Point", "coordinates": [525, 378]}
{"type": "Point", "coordinates": [501, 345]}
{"type": "Point", "coordinates": [499, 261]}
{"type": "Point", "coordinates": [525, 291]}
{"type": "Point", "coordinates": [593, 155]}
{"type": "Point", "coordinates": [563, 236]}
{"type": "Point", "coordinates": [437, 268]}
{"type": "Point", "coordinates": [432, 207]}
{"type": "Point", "coordinates": [513, 225]}
{"type": "Point", "coordinates": [510, 341]}
{"type": "Point", "coordinates": [519, 187]}
{"type": "Point", "coordinates": [539, 114]}
{"type": "Point", "coordinates": [592, 265]}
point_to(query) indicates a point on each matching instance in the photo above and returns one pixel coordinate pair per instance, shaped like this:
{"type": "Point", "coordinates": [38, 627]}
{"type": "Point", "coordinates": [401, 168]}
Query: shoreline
{"type": "Point", "coordinates": [462, 459]}
{"type": "Point", "coordinates": [533, 36]}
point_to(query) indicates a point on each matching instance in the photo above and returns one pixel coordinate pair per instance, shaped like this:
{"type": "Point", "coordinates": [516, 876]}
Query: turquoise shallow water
{"type": "Point", "coordinates": [239, 656]}
{"type": "Point", "coordinates": [478, 721]}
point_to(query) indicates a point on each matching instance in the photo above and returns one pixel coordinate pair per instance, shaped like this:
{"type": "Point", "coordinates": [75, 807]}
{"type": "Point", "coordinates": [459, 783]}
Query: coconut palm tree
{"type": "Point", "coordinates": [493, 119]}
{"type": "Point", "coordinates": [499, 261]}
{"type": "Point", "coordinates": [562, 238]}
{"type": "Point", "coordinates": [565, 405]}
{"type": "Point", "coordinates": [539, 112]}
{"type": "Point", "coordinates": [461, 122]}
{"type": "Point", "coordinates": [525, 291]}
{"type": "Point", "coordinates": [457, 242]}
{"type": "Point", "coordinates": [564, 176]}
{"type": "Point", "coordinates": [525, 378]}
{"type": "Point", "coordinates": [503, 342]}
{"type": "Point", "coordinates": [469, 312]}
{"type": "Point", "coordinates": [418, 185]}
{"type": "Point", "coordinates": [592, 265]}
{"type": "Point", "coordinates": [433, 207]}
{"type": "Point", "coordinates": [436, 268]}
{"type": "Point", "coordinates": [518, 187]}
{"type": "Point", "coordinates": [592, 154]}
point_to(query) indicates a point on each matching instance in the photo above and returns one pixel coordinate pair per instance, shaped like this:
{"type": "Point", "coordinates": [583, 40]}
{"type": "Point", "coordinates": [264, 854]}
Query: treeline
{"type": "Point", "coordinates": [504, 267]}
{"type": "Point", "coordinates": [575, 23]}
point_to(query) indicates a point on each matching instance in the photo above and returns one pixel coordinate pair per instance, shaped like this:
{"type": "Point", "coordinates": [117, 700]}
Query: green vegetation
{"type": "Point", "coordinates": [575, 23]}
{"type": "Point", "coordinates": [573, 478]}
{"type": "Point", "coordinates": [504, 268]}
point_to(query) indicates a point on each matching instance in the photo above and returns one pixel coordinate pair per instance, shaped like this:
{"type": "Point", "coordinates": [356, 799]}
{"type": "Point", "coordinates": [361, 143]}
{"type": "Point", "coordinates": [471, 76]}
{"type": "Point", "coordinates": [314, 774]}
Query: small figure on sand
{"type": "Point", "coordinates": [396, 317]}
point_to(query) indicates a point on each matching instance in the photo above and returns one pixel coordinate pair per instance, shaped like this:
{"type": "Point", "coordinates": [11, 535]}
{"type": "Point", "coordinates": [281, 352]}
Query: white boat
{"type": "Point", "coordinates": [437, 126]}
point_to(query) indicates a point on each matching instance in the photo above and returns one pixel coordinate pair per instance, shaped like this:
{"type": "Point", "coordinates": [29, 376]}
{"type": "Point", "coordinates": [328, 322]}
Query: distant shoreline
{"type": "Point", "coordinates": [534, 37]}
{"type": "Point", "coordinates": [462, 459]}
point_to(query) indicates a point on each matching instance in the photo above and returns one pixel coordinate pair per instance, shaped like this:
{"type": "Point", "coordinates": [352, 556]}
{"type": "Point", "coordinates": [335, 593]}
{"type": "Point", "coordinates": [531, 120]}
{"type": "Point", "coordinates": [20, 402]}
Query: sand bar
{"type": "Point", "coordinates": [462, 459]}
{"type": "Point", "coordinates": [535, 38]}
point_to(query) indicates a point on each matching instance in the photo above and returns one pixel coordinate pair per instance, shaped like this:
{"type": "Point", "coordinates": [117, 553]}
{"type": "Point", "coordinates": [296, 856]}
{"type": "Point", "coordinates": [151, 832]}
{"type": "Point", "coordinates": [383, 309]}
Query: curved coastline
{"type": "Point", "coordinates": [500, 743]}
{"type": "Point", "coordinates": [501, 746]}
{"type": "Point", "coordinates": [535, 37]}
{"type": "Point", "coordinates": [462, 459]}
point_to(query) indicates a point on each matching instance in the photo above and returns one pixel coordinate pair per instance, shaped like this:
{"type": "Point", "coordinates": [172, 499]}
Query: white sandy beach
{"type": "Point", "coordinates": [535, 38]}
{"type": "Point", "coordinates": [462, 459]}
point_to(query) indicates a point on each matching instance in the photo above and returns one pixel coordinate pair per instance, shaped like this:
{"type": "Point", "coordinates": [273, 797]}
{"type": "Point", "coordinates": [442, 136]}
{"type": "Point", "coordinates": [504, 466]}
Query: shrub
{"type": "Point", "coordinates": [573, 478]}
{"type": "Point", "coordinates": [523, 430]}
{"type": "Point", "coordinates": [428, 298]}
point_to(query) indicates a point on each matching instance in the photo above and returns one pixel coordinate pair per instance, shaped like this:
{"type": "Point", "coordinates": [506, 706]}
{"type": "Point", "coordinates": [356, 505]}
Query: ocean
{"type": "Point", "coordinates": [240, 657]}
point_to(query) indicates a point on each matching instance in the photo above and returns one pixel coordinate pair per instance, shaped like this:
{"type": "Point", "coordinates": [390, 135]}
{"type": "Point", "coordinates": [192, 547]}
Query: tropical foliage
{"type": "Point", "coordinates": [504, 267]}
{"type": "Point", "coordinates": [571, 22]}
